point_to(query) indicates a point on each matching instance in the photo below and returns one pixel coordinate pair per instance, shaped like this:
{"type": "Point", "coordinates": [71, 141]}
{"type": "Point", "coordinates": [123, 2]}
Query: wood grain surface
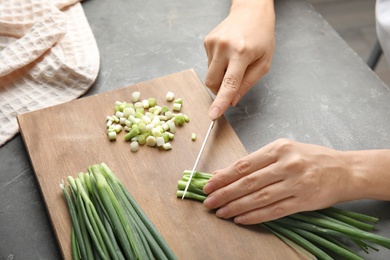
{"type": "Point", "coordinates": [65, 139]}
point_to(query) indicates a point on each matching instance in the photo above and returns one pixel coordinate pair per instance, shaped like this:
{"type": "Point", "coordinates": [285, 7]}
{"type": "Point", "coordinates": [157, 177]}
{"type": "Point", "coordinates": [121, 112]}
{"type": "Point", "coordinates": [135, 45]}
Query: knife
{"type": "Point", "coordinates": [197, 159]}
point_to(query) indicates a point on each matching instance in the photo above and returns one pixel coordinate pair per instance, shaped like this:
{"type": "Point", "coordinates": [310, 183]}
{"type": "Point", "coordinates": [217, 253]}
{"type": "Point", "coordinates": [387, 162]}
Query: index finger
{"type": "Point", "coordinates": [228, 91]}
{"type": "Point", "coordinates": [244, 166]}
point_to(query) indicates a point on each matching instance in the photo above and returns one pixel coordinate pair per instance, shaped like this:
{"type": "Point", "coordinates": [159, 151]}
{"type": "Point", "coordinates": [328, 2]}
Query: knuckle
{"type": "Point", "coordinates": [267, 67]}
{"type": "Point", "coordinates": [246, 85]}
{"type": "Point", "coordinates": [231, 83]}
{"type": "Point", "coordinates": [223, 43]}
{"type": "Point", "coordinates": [278, 212]}
{"type": "Point", "coordinates": [206, 41]}
{"type": "Point", "coordinates": [242, 49]}
{"type": "Point", "coordinates": [283, 145]}
{"type": "Point", "coordinates": [209, 40]}
{"type": "Point", "coordinates": [242, 166]}
{"type": "Point", "coordinates": [296, 163]}
{"type": "Point", "coordinates": [211, 84]}
{"type": "Point", "coordinates": [249, 183]}
{"type": "Point", "coordinates": [262, 197]}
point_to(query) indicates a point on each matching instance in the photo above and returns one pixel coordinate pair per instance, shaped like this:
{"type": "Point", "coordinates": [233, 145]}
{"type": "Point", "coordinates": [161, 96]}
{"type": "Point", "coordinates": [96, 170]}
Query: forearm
{"type": "Point", "coordinates": [370, 175]}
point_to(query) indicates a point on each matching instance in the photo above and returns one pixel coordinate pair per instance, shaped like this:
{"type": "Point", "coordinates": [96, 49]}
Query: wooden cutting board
{"type": "Point", "coordinates": [65, 139]}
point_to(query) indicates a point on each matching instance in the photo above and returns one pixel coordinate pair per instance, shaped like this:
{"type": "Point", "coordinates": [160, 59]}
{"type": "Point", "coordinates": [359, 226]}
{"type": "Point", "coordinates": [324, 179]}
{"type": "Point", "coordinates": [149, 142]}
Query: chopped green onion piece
{"type": "Point", "coordinates": [118, 128]}
{"type": "Point", "coordinates": [172, 126]}
{"type": "Point", "coordinates": [145, 103]}
{"type": "Point", "coordinates": [171, 135]}
{"type": "Point", "coordinates": [151, 141]}
{"type": "Point", "coordinates": [134, 146]}
{"type": "Point", "coordinates": [115, 119]}
{"type": "Point", "coordinates": [164, 109]}
{"type": "Point", "coordinates": [133, 132]}
{"type": "Point", "coordinates": [170, 96]}
{"type": "Point", "coordinates": [156, 132]}
{"type": "Point", "coordinates": [128, 123]}
{"type": "Point", "coordinates": [167, 146]}
{"type": "Point", "coordinates": [138, 105]}
{"type": "Point", "coordinates": [122, 106]}
{"type": "Point", "coordinates": [140, 110]}
{"type": "Point", "coordinates": [179, 119]}
{"type": "Point", "coordinates": [142, 138]}
{"type": "Point", "coordinates": [119, 114]}
{"type": "Point", "coordinates": [168, 114]}
{"type": "Point", "coordinates": [152, 102]}
{"type": "Point", "coordinates": [165, 136]}
{"type": "Point", "coordinates": [160, 141]}
{"type": "Point", "coordinates": [138, 114]}
{"type": "Point", "coordinates": [178, 101]}
{"type": "Point", "coordinates": [193, 137]}
{"type": "Point", "coordinates": [122, 120]}
{"type": "Point", "coordinates": [128, 111]}
{"type": "Point", "coordinates": [117, 105]}
{"type": "Point", "coordinates": [135, 96]}
{"type": "Point", "coordinates": [142, 127]}
{"type": "Point", "coordinates": [176, 107]}
{"type": "Point", "coordinates": [112, 135]}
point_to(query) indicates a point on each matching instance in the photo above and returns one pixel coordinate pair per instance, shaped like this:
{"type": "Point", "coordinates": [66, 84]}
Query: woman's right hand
{"type": "Point", "coordinates": [239, 52]}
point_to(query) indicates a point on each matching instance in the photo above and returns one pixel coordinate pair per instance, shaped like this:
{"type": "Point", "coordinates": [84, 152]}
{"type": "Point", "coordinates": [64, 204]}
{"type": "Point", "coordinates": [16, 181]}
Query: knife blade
{"type": "Point", "coordinates": [197, 159]}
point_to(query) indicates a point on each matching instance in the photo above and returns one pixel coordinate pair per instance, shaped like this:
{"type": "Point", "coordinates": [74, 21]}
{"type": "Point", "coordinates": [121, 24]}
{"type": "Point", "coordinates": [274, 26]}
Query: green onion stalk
{"type": "Point", "coordinates": [107, 223]}
{"type": "Point", "coordinates": [322, 233]}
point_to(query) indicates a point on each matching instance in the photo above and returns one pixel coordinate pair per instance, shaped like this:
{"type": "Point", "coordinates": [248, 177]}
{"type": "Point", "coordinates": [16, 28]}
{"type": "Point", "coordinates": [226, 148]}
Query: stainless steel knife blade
{"type": "Point", "coordinates": [197, 159]}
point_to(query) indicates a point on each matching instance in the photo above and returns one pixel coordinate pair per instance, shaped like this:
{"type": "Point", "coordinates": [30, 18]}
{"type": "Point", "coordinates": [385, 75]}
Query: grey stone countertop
{"type": "Point", "coordinates": [318, 91]}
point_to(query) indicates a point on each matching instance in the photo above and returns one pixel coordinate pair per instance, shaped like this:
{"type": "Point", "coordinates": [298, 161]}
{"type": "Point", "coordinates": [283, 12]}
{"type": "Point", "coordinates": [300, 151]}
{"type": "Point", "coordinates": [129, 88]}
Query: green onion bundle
{"type": "Point", "coordinates": [322, 232]}
{"type": "Point", "coordinates": [107, 223]}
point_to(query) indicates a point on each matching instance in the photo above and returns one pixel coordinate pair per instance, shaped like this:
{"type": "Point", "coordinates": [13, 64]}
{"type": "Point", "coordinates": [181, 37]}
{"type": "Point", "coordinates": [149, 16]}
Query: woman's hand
{"type": "Point", "coordinates": [239, 51]}
{"type": "Point", "coordinates": [282, 178]}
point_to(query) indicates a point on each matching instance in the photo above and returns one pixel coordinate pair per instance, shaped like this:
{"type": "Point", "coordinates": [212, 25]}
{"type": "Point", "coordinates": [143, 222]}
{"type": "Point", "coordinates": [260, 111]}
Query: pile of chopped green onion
{"type": "Point", "coordinates": [107, 223]}
{"type": "Point", "coordinates": [322, 232]}
{"type": "Point", "coordinates": [145, 122]}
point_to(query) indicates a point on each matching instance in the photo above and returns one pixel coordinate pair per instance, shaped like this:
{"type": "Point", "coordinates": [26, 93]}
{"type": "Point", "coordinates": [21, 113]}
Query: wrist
{"type": "Point", "coordinates": [252, 4]}
{"type": "Point", "coordinates": [368, 175]}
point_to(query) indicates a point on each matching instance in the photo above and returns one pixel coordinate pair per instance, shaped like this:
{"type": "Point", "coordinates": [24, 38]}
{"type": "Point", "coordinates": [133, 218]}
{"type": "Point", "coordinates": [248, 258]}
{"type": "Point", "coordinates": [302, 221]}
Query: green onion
{"type": "Point", "coordinates": [107, 223]}
{"type": "Point", "coordinates": [322, 232]}
{"type": "Point", "coordinates": [75, 222]}
{"type": "Point", "coordinates": [120, 188]}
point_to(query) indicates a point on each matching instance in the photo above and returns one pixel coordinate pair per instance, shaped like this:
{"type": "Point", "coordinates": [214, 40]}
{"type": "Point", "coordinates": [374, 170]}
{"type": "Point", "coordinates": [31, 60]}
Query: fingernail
{"type": "Point", "coordinates": [209, 202]}
{"type": "Point", "coordinates": [236, 99]}
{"type": "Point", "coordinates": [214, 113]}
{"type": "Point", "coordinates": [239, 220]}
{"type": "Point", "coordinates": [209, 187]}
{"type": "Point", "coordinates": [222, 212]}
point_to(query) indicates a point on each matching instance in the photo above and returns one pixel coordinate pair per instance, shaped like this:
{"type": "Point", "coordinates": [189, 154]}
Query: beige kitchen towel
{"type": "Point", "coordinates": [48, 56]}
